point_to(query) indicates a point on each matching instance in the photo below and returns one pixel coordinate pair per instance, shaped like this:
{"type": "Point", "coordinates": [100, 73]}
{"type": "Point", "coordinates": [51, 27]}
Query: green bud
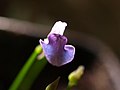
{"type": "Point", "coordinates": [38, 49]}
{"type": "Point", "coordinates": [53, 85]}
{"type": "Point", "coordinates": [75, 76]}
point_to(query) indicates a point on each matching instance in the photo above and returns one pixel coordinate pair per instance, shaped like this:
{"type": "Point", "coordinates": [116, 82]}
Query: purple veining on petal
{"type": "Point", "coordinates": [56, 51]}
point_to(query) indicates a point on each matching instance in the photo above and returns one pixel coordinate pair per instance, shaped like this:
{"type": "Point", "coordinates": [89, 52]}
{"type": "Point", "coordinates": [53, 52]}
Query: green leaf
{"type": "Point", "coordinates": [53, 85]}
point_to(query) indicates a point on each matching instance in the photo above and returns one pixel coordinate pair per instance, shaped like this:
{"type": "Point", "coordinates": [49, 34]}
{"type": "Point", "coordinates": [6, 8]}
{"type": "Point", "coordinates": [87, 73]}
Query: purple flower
{"type": "Point", "coordinates": [54, 46]}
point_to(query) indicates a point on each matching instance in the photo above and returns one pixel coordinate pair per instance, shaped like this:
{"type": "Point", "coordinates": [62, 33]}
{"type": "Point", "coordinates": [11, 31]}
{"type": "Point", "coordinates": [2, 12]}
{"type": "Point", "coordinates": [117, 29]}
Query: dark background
{"type": "Point", "coordinates": [98, 18]}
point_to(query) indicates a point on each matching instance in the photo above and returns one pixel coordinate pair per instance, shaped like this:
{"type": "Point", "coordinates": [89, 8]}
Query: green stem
{"type": "Point", "coordinates": [29, 72]}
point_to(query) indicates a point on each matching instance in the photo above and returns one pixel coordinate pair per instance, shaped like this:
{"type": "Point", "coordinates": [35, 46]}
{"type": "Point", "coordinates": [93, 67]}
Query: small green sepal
{"type": "Point", "coordinates": [53, 85]}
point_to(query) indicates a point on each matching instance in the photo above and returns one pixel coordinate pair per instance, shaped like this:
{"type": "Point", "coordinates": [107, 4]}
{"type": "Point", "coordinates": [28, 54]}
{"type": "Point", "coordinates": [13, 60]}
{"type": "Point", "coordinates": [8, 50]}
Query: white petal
{"type": "Point", "coordinates": [58, 28]}
{"type": "Point", "coordinates": [46, 41]}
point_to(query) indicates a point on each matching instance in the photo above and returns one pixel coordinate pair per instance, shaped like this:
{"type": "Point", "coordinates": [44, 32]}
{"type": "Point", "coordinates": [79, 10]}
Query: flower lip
{"type": "Point", "coordinates": [54, 46]}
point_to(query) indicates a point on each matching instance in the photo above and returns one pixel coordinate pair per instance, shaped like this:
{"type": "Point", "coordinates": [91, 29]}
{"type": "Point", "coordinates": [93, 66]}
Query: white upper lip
{"type": "Point", "coordinates": [58, 28]}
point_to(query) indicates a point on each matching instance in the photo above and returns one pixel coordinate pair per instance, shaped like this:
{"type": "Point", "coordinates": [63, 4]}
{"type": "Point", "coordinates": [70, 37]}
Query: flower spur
{"type": "Point", "coordinates": [54, 46]}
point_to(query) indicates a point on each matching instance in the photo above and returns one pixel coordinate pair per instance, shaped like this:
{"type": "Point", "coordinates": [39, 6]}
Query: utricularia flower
{"type": "Point", "coordinates": [54, 46]}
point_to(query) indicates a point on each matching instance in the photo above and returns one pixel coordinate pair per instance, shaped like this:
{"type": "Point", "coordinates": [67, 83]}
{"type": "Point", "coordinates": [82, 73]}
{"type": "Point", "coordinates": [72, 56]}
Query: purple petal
{"type": "Point", "coordinates": [56, 51]}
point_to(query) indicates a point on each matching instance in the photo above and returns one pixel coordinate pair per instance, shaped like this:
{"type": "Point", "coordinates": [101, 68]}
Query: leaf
{"type": "Point", "coordinates": [53, 85]}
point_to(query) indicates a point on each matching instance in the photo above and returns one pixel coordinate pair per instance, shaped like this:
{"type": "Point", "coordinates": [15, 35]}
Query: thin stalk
{"type": "Point", "coordinates": [29, 72]}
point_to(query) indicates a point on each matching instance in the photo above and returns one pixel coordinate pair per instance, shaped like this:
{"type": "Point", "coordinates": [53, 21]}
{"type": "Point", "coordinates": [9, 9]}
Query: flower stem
{"type": "Point", "coordinates": [29, 72]}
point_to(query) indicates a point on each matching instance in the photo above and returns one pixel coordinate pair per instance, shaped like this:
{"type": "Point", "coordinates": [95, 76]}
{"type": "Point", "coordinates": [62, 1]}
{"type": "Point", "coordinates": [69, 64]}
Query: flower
{"type": "Point", "coordinates": [54, 46]}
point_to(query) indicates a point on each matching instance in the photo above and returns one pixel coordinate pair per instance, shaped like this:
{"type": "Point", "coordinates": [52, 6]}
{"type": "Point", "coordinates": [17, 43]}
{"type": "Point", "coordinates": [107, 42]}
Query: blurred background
{"type": "Point", "coordinates": [97, 18]}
